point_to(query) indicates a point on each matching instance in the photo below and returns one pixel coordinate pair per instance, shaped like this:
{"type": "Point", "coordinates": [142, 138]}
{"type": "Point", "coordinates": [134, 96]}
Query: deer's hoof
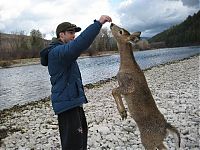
{"type": "Point", "coordinates": [123, 114]}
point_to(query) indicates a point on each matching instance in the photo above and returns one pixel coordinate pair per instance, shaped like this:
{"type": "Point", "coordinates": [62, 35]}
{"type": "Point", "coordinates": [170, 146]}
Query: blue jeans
{"type": "Point", "coordinates": [73, 129]}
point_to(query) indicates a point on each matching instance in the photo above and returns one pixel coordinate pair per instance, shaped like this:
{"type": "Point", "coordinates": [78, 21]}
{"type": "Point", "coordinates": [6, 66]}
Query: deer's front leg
{"type": "Point", "coordinates": [118, 99]}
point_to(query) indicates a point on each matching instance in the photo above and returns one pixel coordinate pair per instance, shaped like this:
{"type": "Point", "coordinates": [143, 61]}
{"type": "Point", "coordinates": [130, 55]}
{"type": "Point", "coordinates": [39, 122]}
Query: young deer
{"type": "Point", "coordinates": [141, 105]}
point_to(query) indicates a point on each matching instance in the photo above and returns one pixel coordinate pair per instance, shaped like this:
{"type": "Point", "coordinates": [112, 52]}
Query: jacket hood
{"type": "Point", "coordinates": [44, 52]}
{"type": "Point", "coordinates": [56, 42]}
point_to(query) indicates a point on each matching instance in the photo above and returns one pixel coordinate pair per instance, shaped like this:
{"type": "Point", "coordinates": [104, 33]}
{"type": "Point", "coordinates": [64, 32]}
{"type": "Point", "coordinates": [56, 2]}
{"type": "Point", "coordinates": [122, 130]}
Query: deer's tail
{"type": "Point", "coordinates": [171, 129]}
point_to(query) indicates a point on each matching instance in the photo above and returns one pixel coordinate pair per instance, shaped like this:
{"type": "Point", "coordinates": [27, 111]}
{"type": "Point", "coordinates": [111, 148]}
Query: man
{"type": "Point", "coordinates": [67, 93]}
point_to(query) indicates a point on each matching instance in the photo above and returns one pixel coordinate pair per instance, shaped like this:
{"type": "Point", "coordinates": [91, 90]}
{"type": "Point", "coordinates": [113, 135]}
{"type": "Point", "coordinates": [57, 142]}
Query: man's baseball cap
{"type": "Point", "coordinates": [66, 26]}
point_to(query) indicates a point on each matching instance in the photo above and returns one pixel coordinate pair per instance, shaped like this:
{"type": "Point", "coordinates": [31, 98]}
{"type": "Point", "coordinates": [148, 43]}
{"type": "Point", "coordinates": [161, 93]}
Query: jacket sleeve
{"type": "Point", "coordinates": [71, 51]}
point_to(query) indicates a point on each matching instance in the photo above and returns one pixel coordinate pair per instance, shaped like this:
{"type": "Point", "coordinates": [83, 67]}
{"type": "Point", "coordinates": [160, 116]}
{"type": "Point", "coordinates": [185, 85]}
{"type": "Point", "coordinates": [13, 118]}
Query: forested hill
{"type": "Point", "coordinates": [185, 34]}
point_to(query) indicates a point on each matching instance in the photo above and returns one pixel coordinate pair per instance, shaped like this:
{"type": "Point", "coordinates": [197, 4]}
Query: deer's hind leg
{"type": "Point", "coordinates": [118, 99]}
{"type": "Point", "coordinates": [161, 147]}
{"type": "Point", "coordinates": [150, 148]}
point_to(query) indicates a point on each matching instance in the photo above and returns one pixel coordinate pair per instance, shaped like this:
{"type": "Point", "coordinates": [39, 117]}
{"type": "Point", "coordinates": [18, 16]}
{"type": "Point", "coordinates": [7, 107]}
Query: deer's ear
{"type": "Point", "coordinates": [137, 34]}
{"type": "Point", "coordinates": [134, 37]}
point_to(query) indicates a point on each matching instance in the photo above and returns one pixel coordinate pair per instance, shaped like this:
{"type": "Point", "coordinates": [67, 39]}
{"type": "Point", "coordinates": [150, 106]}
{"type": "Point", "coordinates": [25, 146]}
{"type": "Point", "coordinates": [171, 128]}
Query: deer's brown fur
{"type": "Point", "coordinates": [133, 86]}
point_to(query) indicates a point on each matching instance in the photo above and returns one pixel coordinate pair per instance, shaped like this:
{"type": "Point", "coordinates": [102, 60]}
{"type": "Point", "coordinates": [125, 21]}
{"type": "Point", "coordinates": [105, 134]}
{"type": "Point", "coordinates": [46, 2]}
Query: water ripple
{"type": "Point", "coordinates": [29, 83]}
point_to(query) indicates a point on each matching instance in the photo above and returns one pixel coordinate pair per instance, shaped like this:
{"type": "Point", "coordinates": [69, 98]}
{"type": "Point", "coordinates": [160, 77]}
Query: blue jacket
{"type": "Point", "coordinates": [67, 89]}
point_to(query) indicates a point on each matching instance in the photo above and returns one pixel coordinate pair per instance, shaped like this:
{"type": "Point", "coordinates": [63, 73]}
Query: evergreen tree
{"type": "Point", "coordinates": [36, 40]}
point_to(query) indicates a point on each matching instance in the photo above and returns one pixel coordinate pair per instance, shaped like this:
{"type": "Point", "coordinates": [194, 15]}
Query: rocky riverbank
{"type": "Point", "coordinates": [175, 88]}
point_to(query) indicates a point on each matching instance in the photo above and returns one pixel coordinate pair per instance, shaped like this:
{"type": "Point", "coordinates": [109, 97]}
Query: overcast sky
{"type": "Point", "coordinates": [148, 16]}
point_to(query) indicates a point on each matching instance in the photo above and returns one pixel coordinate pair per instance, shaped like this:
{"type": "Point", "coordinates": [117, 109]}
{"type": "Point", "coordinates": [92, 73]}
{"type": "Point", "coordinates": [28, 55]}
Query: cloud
{"type": "Point", "coordinates": [45, 15]}
{"type": "Point", "coordinates": [152, 17]}
{"type": "Point", "coordinates": [191, 3]}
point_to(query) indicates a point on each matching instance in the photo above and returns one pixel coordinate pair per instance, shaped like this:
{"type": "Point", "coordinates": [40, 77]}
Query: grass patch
{"type": "Point", "coordinates": [6, 64]}
{"type": "Point", "coordinates": [19, 62]}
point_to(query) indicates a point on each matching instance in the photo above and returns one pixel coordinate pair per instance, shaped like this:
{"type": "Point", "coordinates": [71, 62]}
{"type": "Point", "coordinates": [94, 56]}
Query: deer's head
{"type": "Point", "coordinates": [123, 36]}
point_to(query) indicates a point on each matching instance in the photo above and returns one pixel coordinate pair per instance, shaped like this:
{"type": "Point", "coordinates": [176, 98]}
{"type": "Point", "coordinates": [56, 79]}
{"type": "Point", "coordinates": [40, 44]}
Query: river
{"type": "Point", "coordinates": [24, 84]}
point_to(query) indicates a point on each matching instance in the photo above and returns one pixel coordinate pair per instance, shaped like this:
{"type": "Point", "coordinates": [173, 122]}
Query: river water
{"type": "Point", "coordinates": [24, 84]}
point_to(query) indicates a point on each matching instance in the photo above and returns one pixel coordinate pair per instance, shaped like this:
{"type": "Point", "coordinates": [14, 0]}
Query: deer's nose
{"type": "Point", "coordinates": [112, 24]}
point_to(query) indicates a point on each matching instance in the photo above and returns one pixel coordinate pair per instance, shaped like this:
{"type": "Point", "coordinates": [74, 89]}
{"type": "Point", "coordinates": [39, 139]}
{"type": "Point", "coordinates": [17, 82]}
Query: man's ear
{"type": "Point", "coordinates": [61, 34]}
{"type": "Point", "coordinates": [134, 37]}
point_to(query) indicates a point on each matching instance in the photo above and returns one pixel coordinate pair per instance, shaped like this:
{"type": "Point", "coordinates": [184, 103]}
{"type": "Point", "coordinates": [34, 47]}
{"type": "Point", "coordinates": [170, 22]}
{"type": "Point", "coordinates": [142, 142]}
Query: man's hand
{"type": "Point", "coordinates": [104, 18]}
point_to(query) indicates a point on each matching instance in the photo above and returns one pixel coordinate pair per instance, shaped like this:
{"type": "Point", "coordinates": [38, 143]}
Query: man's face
{"type": "Point", "coordinates": [67, 36]}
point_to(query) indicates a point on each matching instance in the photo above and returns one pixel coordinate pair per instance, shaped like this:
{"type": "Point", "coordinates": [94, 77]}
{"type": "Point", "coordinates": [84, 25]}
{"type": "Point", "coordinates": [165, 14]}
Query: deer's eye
{"type": "Point", "coordinates": [120, 32]}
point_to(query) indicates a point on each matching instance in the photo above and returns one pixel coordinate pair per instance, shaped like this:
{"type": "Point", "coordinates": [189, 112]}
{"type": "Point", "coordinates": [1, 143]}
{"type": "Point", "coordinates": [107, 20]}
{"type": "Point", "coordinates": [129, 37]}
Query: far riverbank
{"type": "Point", "coordinates": [36, 61]}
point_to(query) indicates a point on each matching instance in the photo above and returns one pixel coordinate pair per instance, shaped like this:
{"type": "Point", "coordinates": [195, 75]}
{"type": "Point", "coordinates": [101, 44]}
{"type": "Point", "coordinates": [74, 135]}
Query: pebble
{"type": "Point", "coordinates": [175, 88]}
